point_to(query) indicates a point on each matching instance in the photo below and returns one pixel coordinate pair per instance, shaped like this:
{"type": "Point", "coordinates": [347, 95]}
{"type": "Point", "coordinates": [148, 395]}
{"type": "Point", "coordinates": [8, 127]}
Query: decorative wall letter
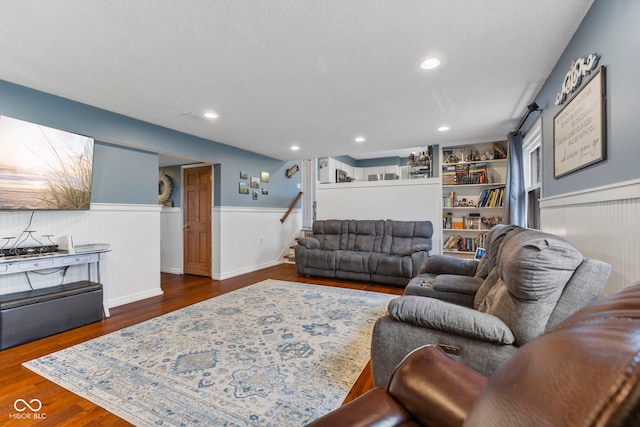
{"type": "Point", "coordinates": [579, 67]}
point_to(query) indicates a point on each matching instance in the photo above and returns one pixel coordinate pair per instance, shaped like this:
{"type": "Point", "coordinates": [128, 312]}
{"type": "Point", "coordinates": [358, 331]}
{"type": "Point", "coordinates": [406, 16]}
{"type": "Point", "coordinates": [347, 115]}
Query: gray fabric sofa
{"type": "Point", "coordinates": [534, 281]}
{"type": "Point", "coordinates": [383, 251]}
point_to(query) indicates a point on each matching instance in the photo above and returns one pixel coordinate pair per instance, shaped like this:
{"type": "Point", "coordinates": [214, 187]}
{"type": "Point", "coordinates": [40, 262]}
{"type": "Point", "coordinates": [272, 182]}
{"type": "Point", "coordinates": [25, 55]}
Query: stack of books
{"type": "Point", "coordinates": [464, 244]}
{"type": "Point", "coordinates": [449, 175]}
{"type": "Point", "coordinates": [492, 198]}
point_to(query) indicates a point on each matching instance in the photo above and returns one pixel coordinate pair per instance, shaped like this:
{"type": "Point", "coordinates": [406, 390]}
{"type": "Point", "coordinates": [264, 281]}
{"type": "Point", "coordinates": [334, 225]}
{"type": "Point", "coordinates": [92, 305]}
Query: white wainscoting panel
{"type": "Point", "coordinates": [171, 241]}
{"type": "Point", "coordinates": [603, 223]}
{"type": "Point", "coordinates": [248, 239]}
{"type": "Point", "coordinates": [401, 200]}
{"type": "Point", "coordinates": [131, 268]}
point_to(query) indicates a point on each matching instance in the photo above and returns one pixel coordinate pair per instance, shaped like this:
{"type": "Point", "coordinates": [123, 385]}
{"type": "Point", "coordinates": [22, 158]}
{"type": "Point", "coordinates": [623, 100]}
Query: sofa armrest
{"type": "Point", "coordinates": [443, 264]}
{"type": "Point", "coordinates": [375, 407]}
{"type": "Point", "coordinates": [426, 388]}
{"type": "Point", "coordinates": [420, 247]}
{"type": "Point", "coordinates": [443, 316]}
{"type": "Point", "coordinates": [434, 388]}
{"type": "Point", "coordinates": [309, 242]}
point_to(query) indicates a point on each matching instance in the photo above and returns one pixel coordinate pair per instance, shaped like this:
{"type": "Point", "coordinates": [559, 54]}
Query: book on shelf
{"type": "Point", "coordinates": [452, 242]}
{"type": "Point", "coordinates": [468, 173]}
{"type": "Point", "coordinates": [449, 200]}
{"type": "Point", "coordinates": [462, 174]}
{"type": "Point", "coordinates": [478, 173]}
{"type": "Point", "coordinates": [458, 223]}
{"type": "Point", "coordinates": [491, 198]}
{"type": "Point", "coordinates": [446, 220]}
{"type": "Point", "coordinates": [449, 176]}
{"type": "Point", "coordinates": [457, 242]}
{"type": "Point", "coordinates": [472, 222]}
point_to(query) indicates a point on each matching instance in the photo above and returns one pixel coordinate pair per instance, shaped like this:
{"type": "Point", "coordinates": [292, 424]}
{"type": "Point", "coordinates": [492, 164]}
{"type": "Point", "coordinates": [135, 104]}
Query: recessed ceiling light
{"type": "Point", "coordinates": [360, 139]}
{"type": "Point", "coordinates": [210, 115]}
{"type": "Point", "coordinates": [443, 128]}
{"type": "Point", "coordinates": [294, 148]}
{"type": "Point", "coordinates": [430, 63]}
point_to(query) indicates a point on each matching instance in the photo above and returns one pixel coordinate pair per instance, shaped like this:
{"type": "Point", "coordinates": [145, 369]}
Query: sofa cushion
{"type": "Point", "coordinates": [420, 247]}
{"type": "Point", "coordinates": [446, 287]}
{"type": "Point", "coordinates": [494, 239]}
{"type": "Point", "coordinates": [443, 316]}
{"type": "Point", "coordinates": [456, 283]}
{"type": "Point", "coordinates": [400, 237]}
{"type": "Point", "coordinates": [331, 233]}
{"type": "Point", "coordinates": [446, 264]}
{"type": "Point", "coordinates": [317, 259]}
{"type": "Point", "coordinates": [309, 242]}
{"type": "Point", "coordinates": [585, 286]}
{"type": "Point", "coordinates": [390, 265]}
{"type": "Point", "coordinates": [351, 261]}
{"type": "Point", "coordinates": [533, 269]}
{"type": "Point", "coordinates": [365, 235]}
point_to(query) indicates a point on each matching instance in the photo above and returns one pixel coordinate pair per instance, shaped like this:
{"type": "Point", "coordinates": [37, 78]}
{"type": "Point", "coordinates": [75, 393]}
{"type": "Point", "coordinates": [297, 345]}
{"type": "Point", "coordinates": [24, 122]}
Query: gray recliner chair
{"type": "Point", "coordinates": [536, 282]}
{"type": "Point", "coordinates": [583, 373]}
{"type": "Point", "coordinates": [452, 279]}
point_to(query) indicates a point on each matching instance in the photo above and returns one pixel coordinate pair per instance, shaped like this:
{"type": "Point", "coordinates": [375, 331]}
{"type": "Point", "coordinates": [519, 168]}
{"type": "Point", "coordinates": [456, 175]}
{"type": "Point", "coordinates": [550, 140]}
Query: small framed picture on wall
{"type": "Point", "coordinates": [244, 188]}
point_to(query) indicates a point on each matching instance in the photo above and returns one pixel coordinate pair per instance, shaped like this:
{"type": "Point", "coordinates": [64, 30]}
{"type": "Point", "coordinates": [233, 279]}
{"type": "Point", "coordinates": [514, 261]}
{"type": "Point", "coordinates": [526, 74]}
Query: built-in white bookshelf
{"type": "Point", "coordinates": [473, 191]}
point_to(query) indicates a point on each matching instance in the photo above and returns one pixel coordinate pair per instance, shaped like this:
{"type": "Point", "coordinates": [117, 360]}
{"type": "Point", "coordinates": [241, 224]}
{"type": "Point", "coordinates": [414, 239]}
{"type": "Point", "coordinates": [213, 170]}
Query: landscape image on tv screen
{"type": "Point", "coordinates": [43, 168]}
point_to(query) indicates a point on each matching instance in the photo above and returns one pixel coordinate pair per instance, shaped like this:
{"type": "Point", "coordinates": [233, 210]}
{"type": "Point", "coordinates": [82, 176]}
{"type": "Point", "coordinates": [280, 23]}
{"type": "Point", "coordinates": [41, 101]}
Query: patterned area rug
{"type": "Point", "coordinates": [272, 354]}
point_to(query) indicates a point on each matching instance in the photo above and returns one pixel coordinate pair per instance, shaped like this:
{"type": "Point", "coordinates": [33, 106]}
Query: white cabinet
{"type": "Point", "coordinates": [325, 167]}
{"type": "Point", "coordinates": [358, 174]}
{"type": "Point", "coordinates": [328, 167]}
{"type": "Point", "coordinates": [391, 172]}
{"type": "Point", "coordinates": [25, 264]}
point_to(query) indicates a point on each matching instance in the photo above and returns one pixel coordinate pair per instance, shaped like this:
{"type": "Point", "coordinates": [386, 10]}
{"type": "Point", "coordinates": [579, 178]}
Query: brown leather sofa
{"type": "Point", "coordinates": [584, 372]}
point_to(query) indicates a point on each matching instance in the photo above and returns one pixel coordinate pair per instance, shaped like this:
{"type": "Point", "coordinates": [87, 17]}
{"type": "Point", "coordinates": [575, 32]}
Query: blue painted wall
{"type": "Point", "coordinates": [611, 30]}
{"type": "Point", "coordinates": [125, 175]}
{"type": "Point", "coordinates": [122, 175]}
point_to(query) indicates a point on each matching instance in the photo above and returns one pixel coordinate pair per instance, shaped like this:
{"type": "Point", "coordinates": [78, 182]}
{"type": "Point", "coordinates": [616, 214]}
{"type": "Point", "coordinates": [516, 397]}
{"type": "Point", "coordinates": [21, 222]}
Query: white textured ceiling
{"type": "Point", "coordinates": [316, 73]}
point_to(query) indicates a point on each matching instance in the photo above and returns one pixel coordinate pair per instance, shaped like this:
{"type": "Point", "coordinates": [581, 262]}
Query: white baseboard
{"type": "Point", "coordinates": [133, 298]}
{"type": "Point", "coordinates": [251, 269]}
{"type": "Point", "coordinates": [171, 270]}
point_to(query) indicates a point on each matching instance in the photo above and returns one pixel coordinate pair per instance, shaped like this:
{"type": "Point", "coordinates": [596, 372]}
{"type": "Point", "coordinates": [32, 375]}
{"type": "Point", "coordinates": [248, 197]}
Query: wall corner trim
{"type": "Point", "coordinates": [619, 191]}
{"type": "Point", "coordinates": [124, 207]}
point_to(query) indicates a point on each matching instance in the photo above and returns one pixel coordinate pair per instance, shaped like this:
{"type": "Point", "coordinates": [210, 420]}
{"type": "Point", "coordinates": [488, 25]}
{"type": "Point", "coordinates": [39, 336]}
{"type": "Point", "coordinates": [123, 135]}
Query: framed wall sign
{"type": "Point", "coordinates": [579, 129]}
{"type": "Point", "coordinates": [292, 171]}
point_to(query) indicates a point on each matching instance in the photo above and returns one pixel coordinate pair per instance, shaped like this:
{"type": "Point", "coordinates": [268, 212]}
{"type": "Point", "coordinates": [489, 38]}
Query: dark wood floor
{"type": "Point", "coordinates": [63, 408]}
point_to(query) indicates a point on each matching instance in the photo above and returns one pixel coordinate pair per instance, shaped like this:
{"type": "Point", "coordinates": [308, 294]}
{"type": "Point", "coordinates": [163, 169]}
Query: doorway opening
{"type": "Point", "coordinates": [196, 212]}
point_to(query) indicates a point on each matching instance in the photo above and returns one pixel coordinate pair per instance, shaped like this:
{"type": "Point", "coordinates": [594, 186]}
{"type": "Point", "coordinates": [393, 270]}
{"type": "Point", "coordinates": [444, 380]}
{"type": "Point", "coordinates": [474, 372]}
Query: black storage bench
{"type": "Point", "coordinates": [34, 314]}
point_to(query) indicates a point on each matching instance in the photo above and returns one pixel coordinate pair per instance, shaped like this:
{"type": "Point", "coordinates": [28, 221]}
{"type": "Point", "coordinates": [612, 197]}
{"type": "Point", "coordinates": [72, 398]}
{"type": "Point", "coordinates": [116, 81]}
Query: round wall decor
{"type": "Point", "coordinates": [165, 188]}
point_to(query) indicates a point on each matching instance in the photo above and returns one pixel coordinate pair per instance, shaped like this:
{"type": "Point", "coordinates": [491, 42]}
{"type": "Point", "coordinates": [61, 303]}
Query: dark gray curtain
{"type": "Point", "coordinates": [514, 206]}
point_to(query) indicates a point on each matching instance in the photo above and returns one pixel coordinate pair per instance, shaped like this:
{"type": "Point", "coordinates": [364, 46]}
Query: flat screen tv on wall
{"type": "Point", "coordinates": [43, 168]}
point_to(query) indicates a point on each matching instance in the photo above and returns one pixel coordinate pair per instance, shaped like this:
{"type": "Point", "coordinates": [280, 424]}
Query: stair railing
{"type": "Point", "coordinates": [293, 205]}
